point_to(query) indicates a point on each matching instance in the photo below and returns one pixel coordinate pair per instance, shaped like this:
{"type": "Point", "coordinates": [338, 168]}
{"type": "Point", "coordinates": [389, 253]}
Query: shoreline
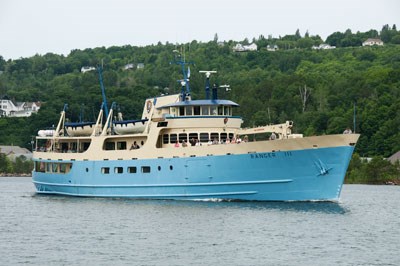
{"type": "Point", "coordinates": [15, 175]}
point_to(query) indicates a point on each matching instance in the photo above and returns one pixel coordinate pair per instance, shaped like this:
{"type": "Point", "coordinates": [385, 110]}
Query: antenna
{"type": "Point", "coordinates": [208, 74]}
{"type": "Point", "coordinates": [185, 81]}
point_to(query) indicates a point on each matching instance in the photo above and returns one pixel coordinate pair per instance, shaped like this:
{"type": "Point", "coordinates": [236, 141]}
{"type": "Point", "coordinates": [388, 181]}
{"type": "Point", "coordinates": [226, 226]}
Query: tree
{"type": "Point", "coordinates": [297, 34]}
{"type": "Point", "coordinates": [335, 39]}
{"type": "Point", "coordinates": [215, 37]}
{"type": "Point", "coordinates": [304, 95]}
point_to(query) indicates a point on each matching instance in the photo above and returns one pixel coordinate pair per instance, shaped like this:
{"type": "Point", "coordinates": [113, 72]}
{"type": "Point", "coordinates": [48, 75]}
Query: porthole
{"type": "Point", "coordinates": [87, 169]}
{"type": "Point", "coordinates": [170, 167]}
{"type": "Point", "coordinates": [159, 168]}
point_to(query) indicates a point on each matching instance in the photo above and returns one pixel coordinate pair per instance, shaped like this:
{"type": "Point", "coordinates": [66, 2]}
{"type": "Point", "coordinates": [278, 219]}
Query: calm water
{"type": "Point", "coordinates": [363, 229]}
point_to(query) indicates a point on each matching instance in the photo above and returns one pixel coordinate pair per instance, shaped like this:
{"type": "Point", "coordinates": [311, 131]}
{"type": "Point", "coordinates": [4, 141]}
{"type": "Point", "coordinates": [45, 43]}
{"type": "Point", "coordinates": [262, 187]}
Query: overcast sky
{"type": "Point", "coordinates": [29, 27]}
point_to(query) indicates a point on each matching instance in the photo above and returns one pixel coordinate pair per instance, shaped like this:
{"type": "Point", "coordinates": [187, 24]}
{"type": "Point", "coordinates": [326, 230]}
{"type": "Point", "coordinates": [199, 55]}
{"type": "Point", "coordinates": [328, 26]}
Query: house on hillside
{"type": "Point", "coordinates": [272, 48]}
{"type": "Point", "coordinates": [323, 46]}
{"type": "Point", "coordinates": [129, 66]}
{"type": "Point", "coordinates": [17, 109]}
{"type": "Point", "coordinates": [395, 157]}
{"type": "Point", "coordinates": [12, 152]}
{"type": "Point", "coordinates": [245, 48]}
{"type": "Point", "coordinates": [372, 42]}
{"type": "Point", "coordinates": [85, 69]}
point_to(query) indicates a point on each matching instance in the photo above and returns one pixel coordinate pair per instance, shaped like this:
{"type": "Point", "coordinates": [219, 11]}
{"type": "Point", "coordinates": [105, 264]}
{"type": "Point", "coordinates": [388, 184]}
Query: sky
{"type": "Point", "coordinates": [29, 27]}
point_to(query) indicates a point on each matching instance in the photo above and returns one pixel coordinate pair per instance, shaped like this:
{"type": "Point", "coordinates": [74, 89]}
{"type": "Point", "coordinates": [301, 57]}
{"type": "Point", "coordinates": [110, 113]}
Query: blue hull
{"type": "Point", "coordinates": [303, 175]}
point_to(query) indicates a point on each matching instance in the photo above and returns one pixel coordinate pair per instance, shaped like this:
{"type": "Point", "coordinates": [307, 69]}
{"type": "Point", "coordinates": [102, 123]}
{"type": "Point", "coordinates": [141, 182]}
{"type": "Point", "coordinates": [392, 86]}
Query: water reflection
{"type": "Point", "coordinates": [304, 207]}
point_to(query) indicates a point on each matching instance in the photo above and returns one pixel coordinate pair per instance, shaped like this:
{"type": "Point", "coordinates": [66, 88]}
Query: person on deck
{"type": "Point", "coordinates": [347, 131]}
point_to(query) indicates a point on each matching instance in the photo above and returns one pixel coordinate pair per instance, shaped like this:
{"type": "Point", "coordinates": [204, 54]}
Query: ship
{"type": "Point", "coordinates": [187, 149]}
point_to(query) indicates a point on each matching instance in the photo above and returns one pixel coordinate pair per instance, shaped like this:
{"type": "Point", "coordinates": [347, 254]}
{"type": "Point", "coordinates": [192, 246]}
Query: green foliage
{"type": "Point", "coordinates": [21, 165]}
{"type": "Point", "coordinates": [377, 171]}
{"type": "Point", "coordinates": [5, 164]}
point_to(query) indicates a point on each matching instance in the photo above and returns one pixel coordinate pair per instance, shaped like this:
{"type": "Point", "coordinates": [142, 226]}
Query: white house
{"type": "Point", "coordinates": [140, 65]}
{"type": "Point", "coordinates": [395, 157]}
{"type": "Point", "coordinates": [244, 48]}
{"type": "Point", "coordinates": [13, 152]}
{"type": "Point", "coordinates": [372, 42]}
{"type": "Point", "coordinates": [85, 69]}
{"type": "Point", "coordinates": [18, 109]}
{"type": "Point", "coordinates": [272, 48]}
{"type": "Point", "coordinates": [323, 46]}
{"type": "Point", "coordinates": [129, 66]}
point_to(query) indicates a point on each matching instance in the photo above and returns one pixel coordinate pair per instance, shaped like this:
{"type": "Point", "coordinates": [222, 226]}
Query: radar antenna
{"type": "Point", "coordinates": [208, 74]}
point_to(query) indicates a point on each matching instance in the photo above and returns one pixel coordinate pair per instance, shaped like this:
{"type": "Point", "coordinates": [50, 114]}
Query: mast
{"type": "Point", "coordinates": [185, 95]}
{"type": "Point", "coordinates": [103, 89]}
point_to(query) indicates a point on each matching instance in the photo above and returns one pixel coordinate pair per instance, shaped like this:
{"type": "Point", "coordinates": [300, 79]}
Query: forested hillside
{"type": "Point", "coordinates": [266, 84]}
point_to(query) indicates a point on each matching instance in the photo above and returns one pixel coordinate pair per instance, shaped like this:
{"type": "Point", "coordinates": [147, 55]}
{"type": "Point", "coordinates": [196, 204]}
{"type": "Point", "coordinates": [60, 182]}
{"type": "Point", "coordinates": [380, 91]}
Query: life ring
{"type": "Point", "coordinates": [225, 120]}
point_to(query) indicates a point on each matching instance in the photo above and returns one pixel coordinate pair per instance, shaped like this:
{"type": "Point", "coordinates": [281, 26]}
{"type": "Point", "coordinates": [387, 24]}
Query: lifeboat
{"type": "Point", "coordinates": [129, 126]}
{"type": "Point", "coordinates": [79, 128]}
{"type": "Point", "coordinates": [46, 132]}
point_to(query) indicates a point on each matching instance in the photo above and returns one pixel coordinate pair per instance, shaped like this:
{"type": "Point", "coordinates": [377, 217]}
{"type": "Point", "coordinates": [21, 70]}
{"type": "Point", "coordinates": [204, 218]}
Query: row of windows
{"type": "Point", "coordinates": [59, 168]}
{"type": "Point", "coordinates": [203, 137]}
{"type": "Point", "coordinates": [205, 110]}
{"type": "Point", "coordinates": [119, 145]}
{"type": "Point", "coordinates": [130, 169]}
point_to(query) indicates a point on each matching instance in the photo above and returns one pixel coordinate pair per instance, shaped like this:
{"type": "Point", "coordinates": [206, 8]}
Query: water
{"type": "Point", "coordinates": [363, 229]}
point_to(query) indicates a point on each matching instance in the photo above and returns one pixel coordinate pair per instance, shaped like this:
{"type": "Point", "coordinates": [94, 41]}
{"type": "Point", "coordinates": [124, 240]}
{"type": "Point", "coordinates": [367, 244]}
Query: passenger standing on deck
{"type": "Point", "coordinates": [273, 136]}
{"type": "Point", "coordinates": [184, 144]}
{"type": "Point", "coordinates": [193, 142]}
{"type": "Point", "coordinates": [176, 144]}
{"type": "Point", "coordinates": [347, 131]}
{"type": "Point", "coordinates": [198, 143]}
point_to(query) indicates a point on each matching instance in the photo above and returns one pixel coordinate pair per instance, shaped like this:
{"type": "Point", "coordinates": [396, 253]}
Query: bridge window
{"type": "Point", "coordinates": [213, 110]}
{"type": "Point", "coordinates": [181, 111]}
{"type": "Point", "coordinates": [220, 110]}
{"type": "Point", "coordinates": [204, 110]}
{"type": "Point", "coordinates": [196, 110]}
{"type": "Point", "coordinates": [189, 110]}
{"type": "Point", "coordinates": [227, 110]}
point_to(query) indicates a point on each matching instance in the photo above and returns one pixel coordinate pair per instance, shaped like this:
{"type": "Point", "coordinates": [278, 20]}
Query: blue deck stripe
{"type": "Point", "coordinates": [168, 185]}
